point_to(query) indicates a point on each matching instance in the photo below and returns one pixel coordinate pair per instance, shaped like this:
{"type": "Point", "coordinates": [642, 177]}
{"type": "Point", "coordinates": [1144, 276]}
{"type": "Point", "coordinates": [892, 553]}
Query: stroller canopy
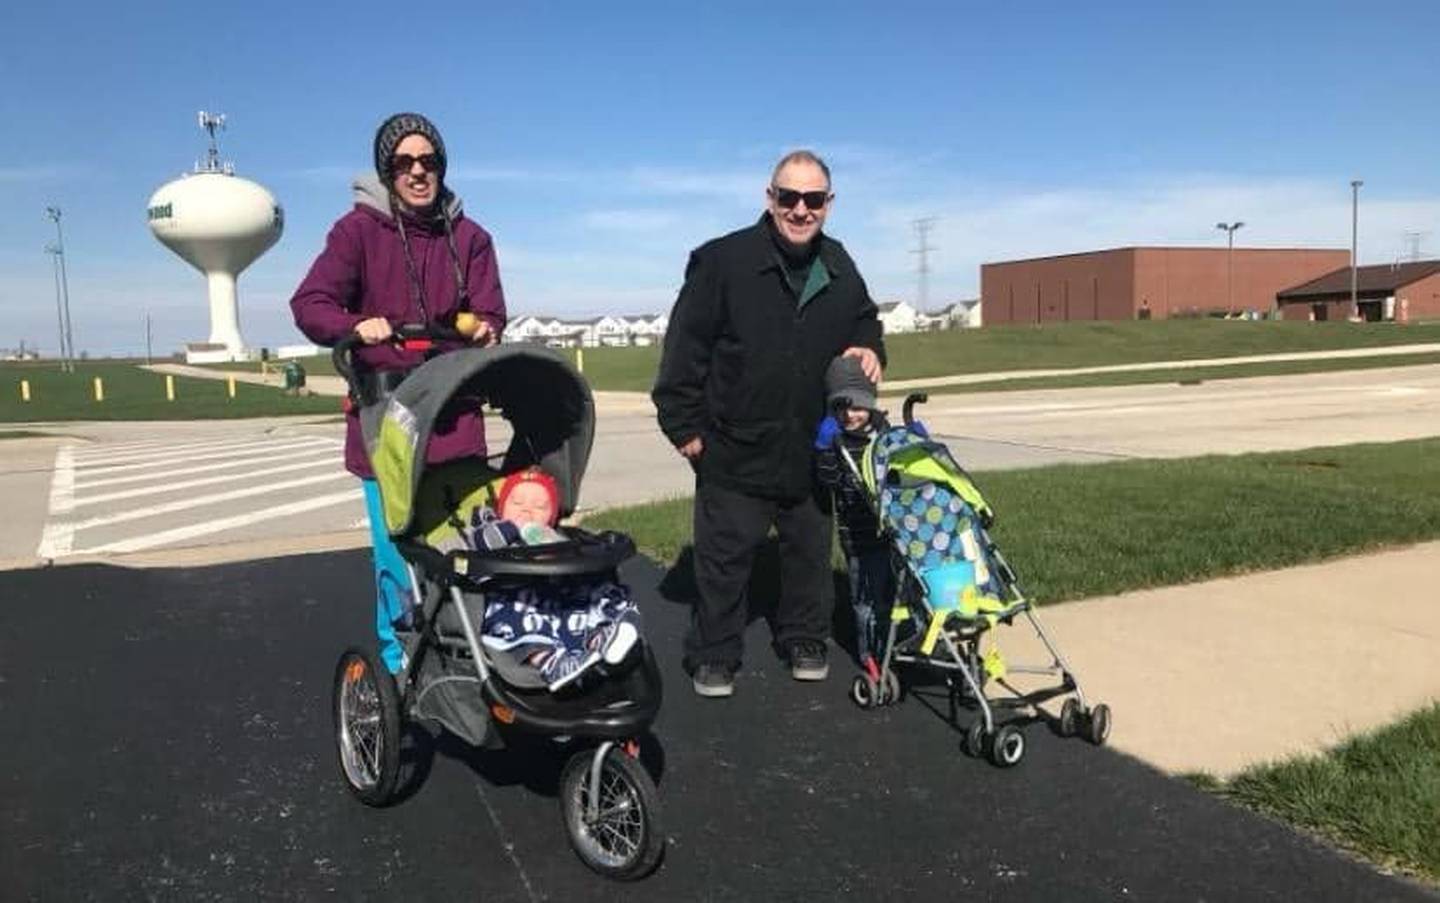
{"type": "Point", "coordinates": [547, 403]}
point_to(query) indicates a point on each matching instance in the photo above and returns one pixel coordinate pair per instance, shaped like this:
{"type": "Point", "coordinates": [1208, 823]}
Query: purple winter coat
{"type": "Point", "coordinates": [361, 274]}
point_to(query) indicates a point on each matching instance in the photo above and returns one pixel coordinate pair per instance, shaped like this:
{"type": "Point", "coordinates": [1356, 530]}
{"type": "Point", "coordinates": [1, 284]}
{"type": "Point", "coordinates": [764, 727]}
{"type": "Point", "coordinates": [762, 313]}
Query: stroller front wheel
{"type": "Point", "coordinates": [616, 829]}
{"type": "Point", "coordinates": [1007, 746]}
{"type": "Point", "coordinates": [864, 691]}
{"type": "Point", "coordinates": [367, 726]}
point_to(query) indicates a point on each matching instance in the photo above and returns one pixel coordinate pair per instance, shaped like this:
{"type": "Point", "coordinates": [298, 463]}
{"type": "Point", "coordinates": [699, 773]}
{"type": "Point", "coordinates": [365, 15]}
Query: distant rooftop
{"type": "Point", "coordinates": [1378, 281]}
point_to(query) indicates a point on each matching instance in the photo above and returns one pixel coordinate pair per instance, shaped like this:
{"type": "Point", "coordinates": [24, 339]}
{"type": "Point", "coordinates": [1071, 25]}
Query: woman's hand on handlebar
{"type": "Point", "coordinates": [374, 330]}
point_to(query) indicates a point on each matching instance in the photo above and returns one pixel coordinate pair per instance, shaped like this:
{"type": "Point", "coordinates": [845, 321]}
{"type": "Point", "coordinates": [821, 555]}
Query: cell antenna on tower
{"type": "Point", "coordinates": [211, 123]}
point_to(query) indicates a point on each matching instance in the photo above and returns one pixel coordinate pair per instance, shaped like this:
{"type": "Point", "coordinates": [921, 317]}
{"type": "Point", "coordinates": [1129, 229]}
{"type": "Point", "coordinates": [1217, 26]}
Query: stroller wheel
{"type": "Point", "coordinates": [864, 692]}
{"type": "Point", "coordinates": [367, 726]}
{"type": "Point", "coordinates": [1097, 726]}
{"type": "Point", "coordinates": [892, 687]}
{"type": "Point", "coordinates": [1007, 746]}
{"type": "Point", "coordinates": [1069, 724]}
{"type": "Point", "coordinates": [622, 837]}
{"type": "Point", "coordinates": [974, 742]}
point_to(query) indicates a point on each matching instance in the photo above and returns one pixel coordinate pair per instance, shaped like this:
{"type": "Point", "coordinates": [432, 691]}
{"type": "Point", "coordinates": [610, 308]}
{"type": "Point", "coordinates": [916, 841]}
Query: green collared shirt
{"type": "Point", "coordinates": [816, 279]}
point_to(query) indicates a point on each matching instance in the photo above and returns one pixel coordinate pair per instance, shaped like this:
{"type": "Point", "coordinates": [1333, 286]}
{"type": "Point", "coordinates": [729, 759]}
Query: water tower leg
{"type": "Point", "coordinates": [224, 313]}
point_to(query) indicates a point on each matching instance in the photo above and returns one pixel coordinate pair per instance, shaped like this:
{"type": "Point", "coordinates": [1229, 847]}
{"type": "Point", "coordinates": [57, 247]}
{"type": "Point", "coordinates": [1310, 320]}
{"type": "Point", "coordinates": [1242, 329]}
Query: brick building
{"type": "Point", "coordinates": [1404, 292]}
{"type": "Point", "coordinates": [1126, 283]}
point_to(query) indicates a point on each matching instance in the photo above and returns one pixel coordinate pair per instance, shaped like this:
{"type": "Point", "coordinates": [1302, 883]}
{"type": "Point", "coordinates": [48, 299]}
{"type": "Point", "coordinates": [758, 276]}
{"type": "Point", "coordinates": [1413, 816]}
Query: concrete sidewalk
{"type": "Point", "coordinates": [1220, 675]}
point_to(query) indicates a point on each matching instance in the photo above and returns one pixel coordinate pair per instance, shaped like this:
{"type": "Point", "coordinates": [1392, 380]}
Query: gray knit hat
{"type": "Point", "coordinates": [845, 378]}
{"type": "Point", "coordinates": [393, 130]}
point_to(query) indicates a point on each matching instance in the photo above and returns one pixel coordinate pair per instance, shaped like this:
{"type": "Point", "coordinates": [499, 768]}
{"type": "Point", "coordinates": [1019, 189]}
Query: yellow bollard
{"type": "Point", "coordinates": [169, 387]}
{"type": "Point", "coordinates": [24, 390]}
{"type": "Point", "coordinates": [580, 359]}
{"type": "Point", "coordinates": [99, 389]}
{"type": "Point", "coordinates": [231, 386]}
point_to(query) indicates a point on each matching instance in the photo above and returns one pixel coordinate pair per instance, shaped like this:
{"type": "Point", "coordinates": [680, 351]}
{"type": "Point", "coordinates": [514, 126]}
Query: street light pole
{"type": "Point", "coordinates": [55, 254]}
{"type": "Point", "coordinates": [54, 214]}
{"type": "Point", "coordinates": [1354, 246]}
{"type": "Point", "coordinates": [1229, 229]}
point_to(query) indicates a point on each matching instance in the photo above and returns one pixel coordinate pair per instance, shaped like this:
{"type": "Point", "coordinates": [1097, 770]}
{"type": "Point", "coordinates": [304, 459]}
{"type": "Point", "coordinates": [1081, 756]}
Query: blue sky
{"type": "Point", "coordinates": [599, 142]}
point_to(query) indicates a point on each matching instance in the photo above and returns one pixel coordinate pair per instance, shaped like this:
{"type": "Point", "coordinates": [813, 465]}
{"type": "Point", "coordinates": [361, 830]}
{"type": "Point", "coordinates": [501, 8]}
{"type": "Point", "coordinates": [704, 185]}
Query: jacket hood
{"type": "Point", "coordinates": [371, 194]}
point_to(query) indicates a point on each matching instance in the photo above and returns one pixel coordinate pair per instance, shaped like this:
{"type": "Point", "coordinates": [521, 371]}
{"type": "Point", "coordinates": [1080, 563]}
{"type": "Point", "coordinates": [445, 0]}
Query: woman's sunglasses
{"type": "Point", "coordinates": [402, 163]}
{"type": "Point", "coordinates": [789, 197]}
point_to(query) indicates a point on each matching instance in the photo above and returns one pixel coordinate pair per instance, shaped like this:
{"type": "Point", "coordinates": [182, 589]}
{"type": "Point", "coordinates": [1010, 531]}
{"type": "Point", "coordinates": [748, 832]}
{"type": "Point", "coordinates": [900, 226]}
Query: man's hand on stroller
{"type": "Point", "coordinates": [825, 435]}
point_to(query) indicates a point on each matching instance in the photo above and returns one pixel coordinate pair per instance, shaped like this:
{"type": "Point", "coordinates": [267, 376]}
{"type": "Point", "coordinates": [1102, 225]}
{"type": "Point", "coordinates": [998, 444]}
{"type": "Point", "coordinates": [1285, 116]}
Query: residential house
{"type": "Point", "coordinates": [897, 317]}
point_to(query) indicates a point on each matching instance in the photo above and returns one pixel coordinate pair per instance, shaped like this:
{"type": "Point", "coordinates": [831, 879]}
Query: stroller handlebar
{"type": "Point", "coordinates": [413, 336]}
{"type": "Point", "coordinates": [911, 400]}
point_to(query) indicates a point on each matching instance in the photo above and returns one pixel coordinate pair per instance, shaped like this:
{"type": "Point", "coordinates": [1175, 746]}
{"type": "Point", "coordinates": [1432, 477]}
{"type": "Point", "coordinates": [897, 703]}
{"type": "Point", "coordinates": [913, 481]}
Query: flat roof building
{"type": "Point", "coordinates": [1145, 282]}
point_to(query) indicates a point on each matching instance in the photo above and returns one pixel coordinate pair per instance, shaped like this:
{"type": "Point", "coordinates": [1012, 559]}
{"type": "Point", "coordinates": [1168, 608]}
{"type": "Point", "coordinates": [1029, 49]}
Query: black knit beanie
{"type": "Point", "coordinates": [845, 378]}
{"type": "Point", "coordinates": [393, 130]}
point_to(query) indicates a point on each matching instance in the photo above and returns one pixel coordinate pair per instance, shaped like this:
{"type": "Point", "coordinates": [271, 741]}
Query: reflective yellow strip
{"type": "Point", "coordinates": [932, 633]}
{"type": "Point", "coordinates": [899, 613]}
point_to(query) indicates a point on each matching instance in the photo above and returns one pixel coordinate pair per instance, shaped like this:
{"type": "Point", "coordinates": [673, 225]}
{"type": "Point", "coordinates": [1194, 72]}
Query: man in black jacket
{"type": "Point", "coordinates": [740, 391]}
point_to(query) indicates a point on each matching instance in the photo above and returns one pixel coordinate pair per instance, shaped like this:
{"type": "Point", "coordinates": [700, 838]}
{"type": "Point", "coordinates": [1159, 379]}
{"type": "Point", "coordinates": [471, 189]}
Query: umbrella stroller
{"type": "Point", "coordinates": [952, 588]}
{"type": "Point", "coordinates": [608, 801]}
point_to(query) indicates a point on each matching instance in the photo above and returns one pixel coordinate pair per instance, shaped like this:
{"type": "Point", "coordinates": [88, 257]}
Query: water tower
{"type": "Point", "coordinates": [219, 223]}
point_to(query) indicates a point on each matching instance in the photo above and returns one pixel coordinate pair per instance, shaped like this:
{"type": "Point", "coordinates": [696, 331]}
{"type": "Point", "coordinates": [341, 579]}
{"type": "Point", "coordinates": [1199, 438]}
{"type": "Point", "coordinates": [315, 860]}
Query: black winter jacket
{"type": "Point", "coordinates": [744, 361]}
{"type": "Point", "coordinates": [855, 518]}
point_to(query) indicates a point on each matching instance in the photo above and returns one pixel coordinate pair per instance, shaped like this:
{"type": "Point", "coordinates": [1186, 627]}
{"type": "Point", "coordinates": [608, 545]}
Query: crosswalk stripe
{"type": "Point", "coordinates": [246, 450]}
{"type": "Point", "coordinates": [313, 456]}
{"type": "Point", "coordinates": [174, 451]}
{"type": "Point", "coordinates": [180, 534]}
{"type": "Point", "coordinates": [203, 500]}
{"type": "Point", "coordinates": [58, 536]}
{"type": "Point", "coordinates": [163, 487]}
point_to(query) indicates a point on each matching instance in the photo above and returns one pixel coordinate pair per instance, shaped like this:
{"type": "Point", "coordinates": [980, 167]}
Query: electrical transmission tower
{"type": "Point", "coordinates": [923, 225]}
{"type": "Point", "coordinates": [1414, 241]}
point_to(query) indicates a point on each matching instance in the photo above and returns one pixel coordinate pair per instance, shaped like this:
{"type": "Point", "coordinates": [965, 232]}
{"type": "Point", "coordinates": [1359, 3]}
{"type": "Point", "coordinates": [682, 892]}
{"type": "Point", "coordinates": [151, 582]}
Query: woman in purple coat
{"type": "Point", "coordinates": [405, 254]}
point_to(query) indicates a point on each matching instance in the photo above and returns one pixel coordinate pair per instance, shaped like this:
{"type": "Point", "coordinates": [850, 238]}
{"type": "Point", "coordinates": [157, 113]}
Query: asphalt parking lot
{"type": "Point", "coordinates": [168, 737]}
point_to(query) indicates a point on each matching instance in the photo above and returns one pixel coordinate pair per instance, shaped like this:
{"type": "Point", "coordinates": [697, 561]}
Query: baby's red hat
{"type": "Point", "coordinates": [531, 475]}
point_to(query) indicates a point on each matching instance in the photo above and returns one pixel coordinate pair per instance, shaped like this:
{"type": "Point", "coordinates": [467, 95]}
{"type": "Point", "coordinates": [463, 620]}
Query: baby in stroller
{"type": "Point", "coordinates": [561, 628]}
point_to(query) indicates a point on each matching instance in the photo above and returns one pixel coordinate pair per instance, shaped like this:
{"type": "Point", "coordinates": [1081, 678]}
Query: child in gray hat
{"type": "Point", "coordinates": [872, 582]}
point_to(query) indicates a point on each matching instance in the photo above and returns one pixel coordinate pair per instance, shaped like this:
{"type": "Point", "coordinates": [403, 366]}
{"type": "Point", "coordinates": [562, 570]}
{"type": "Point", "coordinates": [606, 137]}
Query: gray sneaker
{"type": "Point", "coordinates": [807, 660]}
{"type": "Point", "coordinates": [715, 681]}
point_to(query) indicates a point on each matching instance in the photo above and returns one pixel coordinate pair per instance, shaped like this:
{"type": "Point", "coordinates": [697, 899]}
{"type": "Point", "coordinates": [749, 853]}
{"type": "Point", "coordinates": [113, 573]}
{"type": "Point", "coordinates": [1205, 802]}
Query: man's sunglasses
{"type": "Point", "coordinates": [789, 197]}
{"type": "Point", "coordinates": [402, 163]}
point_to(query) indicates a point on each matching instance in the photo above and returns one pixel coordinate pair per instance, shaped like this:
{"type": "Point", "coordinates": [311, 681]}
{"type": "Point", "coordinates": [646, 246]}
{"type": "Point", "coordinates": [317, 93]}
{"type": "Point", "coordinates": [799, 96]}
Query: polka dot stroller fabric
{"type": "Point", "coordinates": [932, 507]}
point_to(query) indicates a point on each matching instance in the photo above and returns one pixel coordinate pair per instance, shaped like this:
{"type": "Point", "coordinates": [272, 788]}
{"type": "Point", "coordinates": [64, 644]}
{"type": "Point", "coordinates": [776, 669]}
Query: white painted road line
{"type": "Point", "coordinates": [59, 535]}
{"type": "Point", "coordinates": [202, 500]}
{"type": "Point", "coordinates": [241, 450]}
{"type": "Point", "coordinates": [180, 534]}
{"type": "Point", "coordinates": [99, 459]}
{"type": "Point", "coordinates": [316, 455]}
{"type": "Point", "coordinates": [160, 488]}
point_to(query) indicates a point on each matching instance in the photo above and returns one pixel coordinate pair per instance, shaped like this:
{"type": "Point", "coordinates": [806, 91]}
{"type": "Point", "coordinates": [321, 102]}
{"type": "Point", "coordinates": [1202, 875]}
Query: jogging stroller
{"type": "Point", "coordinates": [952, 587]}
{"type": "Point", "coordinates": [608, 801]}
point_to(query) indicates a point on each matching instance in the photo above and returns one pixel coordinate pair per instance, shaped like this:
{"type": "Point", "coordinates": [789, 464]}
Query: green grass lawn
{"type": "Point", "coordinates": [998, 349]}
{"type": "Point", "coordinates": [135, 394]}
{"type": "Point", "coordinates": [1073, 531]}
{"type": "Point", "coordinates": [1179, 374]}
{"type": "Point", "coordinates": [1377, 794]}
